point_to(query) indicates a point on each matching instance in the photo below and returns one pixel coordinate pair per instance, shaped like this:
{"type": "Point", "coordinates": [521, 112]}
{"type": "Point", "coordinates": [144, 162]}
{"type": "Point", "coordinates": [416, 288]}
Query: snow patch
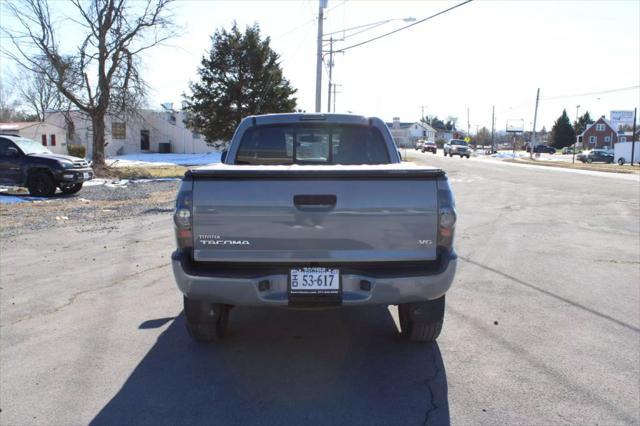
{"type": "Point", "coordinates": [154, 159]}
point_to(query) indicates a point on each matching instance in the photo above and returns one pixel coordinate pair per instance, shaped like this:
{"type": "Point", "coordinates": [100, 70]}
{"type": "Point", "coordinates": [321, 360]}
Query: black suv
{"type": "Point", "coordinates": [538, 149]}
{"type": "Point", "coordinates": [25, 162]}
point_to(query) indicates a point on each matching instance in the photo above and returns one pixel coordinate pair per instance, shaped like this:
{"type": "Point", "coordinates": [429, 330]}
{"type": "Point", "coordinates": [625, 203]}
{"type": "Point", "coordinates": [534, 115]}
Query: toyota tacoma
{"type": "Point", "coordinates": [309, 211]}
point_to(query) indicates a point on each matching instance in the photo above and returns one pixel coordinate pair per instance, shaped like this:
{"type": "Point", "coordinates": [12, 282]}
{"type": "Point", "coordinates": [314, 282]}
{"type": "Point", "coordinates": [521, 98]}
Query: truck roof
{"type": "Point", "coordinates": [289, 118]}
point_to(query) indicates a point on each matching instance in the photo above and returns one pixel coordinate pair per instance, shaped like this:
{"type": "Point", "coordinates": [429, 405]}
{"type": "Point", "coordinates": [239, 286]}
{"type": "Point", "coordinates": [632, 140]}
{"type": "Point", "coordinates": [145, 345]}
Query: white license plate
{"type": "Point", "coordinates": [86, 175]}
{"type": "Point", "coordinates": [314, 281]}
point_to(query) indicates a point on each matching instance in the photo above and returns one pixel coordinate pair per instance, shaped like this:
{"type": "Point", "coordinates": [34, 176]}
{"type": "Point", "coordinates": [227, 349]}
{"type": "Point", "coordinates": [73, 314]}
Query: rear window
{"type": "Point", "coordinates": [312, 144]}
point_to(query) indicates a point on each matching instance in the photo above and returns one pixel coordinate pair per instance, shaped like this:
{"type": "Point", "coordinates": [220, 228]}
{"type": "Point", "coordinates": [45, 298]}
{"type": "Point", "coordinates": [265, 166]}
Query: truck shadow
{"type": "Point", "coordinates": [342, 366]}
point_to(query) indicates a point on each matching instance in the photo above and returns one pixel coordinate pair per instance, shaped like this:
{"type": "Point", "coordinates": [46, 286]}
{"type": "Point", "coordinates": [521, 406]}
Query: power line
{"type": "Point", "coordinates": [405, 27]}
{"type": "Point", "coordinates": [622, 89]}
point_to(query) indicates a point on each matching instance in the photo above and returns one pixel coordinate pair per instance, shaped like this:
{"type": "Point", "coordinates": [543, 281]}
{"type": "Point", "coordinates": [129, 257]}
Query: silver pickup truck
{"type": "Point", "coordinates": [314, 210]}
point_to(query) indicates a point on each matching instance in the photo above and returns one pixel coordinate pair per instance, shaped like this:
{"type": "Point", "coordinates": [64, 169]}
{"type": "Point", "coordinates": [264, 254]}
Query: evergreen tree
{"type": "Point", "coordinates": [582, 123]}
{"type": "Point", "coordinates": [562, 133]}
{"type": "Point", "coordinates": [241, 76]}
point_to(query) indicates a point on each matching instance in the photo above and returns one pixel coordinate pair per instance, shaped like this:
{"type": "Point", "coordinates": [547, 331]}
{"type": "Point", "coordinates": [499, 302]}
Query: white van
{"type": "Point", "coordinates": [622, 153]}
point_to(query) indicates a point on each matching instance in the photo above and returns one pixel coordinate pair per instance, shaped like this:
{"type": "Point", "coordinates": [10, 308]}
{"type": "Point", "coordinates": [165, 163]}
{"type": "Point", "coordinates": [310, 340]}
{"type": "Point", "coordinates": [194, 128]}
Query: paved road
{"type": "Point", "coordinates": [542, 326]}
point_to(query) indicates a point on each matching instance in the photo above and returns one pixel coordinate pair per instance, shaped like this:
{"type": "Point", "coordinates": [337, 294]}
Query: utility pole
{"type": "Point", "coordinates": [493, 122]}
{"type": "Point", "coordinates": [322, 5]}
{"type": "Point", "coordinates": [422, 107]}
{"type": "Point", "coordinates": [533, 134]}
{"type": "Point", "coordinates": [573, 151]}
{"type": "Point", "coordinates": [335, 86]}
{"type": "Point", "coordinates": [633, 136]}
{"type": "Point", "coordinates": [330, 73]}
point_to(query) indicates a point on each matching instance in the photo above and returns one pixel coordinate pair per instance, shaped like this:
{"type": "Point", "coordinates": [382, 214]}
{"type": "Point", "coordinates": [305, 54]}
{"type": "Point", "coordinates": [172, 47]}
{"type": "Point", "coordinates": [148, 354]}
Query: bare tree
{"type": "Point", "coordinates": [9, 105]}
{"type": "Point", "coordinates": [37, 93]}
{"type": "Point", "coordinates": [102, 74]}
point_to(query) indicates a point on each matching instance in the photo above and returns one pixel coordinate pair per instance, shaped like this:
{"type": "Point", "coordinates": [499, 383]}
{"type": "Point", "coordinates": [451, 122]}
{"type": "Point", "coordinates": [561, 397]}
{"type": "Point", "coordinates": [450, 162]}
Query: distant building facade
{"type": "Point", "coordinates": [143, 131]}
{"type": "Point", "coordinates": [405, 134]}
{"type": "Point", "coordinates": [50, 135]}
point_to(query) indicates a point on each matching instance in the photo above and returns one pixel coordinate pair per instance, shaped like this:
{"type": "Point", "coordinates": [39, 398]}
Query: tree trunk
{"type": "Point", "coordinates": [97, 122]}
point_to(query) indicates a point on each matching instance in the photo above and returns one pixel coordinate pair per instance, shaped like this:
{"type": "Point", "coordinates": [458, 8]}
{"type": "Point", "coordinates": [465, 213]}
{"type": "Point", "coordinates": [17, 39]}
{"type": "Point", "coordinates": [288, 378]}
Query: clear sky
{"type": "Point", "coordinates": [482, 54]}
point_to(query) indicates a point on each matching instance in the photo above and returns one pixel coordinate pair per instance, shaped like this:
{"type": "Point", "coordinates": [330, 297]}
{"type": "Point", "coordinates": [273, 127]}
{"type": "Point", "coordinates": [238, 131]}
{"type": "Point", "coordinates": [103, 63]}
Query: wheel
{"type": "Point", "coordinates": [41, 184]}
{"type": "Point", "coordinates": [621, 161]}
{"type": "Point", "coordinates": [70, 188]}
{"type": "Point", "coordinates": [206, 322]}
{"type": "Point", "coordinates": [421, 322]}
{"type": "Point", "coordinates": [467, 156]}
{"type": "Point", "coordinates": [445, 153]}
{"type": "Point", "coordinates": [589, 160]}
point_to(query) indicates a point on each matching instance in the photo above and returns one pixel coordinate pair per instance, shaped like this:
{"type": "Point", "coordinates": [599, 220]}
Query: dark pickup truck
{"type": "Point", "coordinates": [25, 162]}
{"type": "Point", "coordinates": [314, 210]}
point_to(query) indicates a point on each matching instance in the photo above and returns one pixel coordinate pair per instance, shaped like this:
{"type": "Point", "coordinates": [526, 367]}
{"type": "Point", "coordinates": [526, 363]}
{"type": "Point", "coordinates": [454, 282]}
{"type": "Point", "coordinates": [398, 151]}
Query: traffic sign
{"type": "Point", "coordinates": [467, 139]}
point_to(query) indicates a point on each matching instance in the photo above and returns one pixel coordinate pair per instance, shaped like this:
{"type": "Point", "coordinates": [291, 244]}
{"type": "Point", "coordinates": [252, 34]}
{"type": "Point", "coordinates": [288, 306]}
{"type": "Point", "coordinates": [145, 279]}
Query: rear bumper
{"type": "Point", "coordinates": [387, 286]}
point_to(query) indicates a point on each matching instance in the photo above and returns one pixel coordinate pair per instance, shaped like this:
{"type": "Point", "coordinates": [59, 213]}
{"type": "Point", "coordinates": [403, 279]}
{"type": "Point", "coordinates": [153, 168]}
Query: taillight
{"type": "Point", "coordinates": [446, 215]}
{"type": "Point", "coordinates": [183, 216]}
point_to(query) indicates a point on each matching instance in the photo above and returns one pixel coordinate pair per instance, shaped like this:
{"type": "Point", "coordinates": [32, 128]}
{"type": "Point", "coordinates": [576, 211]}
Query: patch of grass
{"type": "Point", "coordinates": [152, 172]}
{"type": "Point", "coordinates": [596, 167]}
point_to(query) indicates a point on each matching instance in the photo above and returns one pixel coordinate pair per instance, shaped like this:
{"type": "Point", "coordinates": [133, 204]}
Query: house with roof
{"type": "Point", "coordinates": [406, 134]}
{"type": "Point", "coordinates": [599, 134]}
{"type": "Point", "coordinates": [50, 135]}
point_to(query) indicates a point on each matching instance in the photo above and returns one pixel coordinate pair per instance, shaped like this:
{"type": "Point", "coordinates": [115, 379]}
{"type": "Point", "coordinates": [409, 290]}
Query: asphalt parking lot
{"type": "Point", "coordinates": [542, 323]}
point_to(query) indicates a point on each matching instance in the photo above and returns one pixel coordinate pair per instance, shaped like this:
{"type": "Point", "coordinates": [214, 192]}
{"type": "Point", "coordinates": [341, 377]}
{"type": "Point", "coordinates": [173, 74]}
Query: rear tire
{"type": "Point", "coordinates": [41, 184]}
{"type": "Point", "coordinates": [206, 321]}
{"type": "Point", "coordinates": [70, 188]}
{"type": "Point", "coordinates": [589, 160]}
{"type": "Point", "coordinates": [621, 161]}
{"type": "Point", "coordinates": [422, 322]}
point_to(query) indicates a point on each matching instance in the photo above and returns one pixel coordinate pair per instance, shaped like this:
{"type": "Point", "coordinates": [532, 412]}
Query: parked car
{"type": "Point", "coordinates": [430, 146]}
{"type": "Point", "coordinates": [25, 162]}
{"type": "Point", "coordinates": [596, 156]}
{"type": "Point", "coordinates": [419, 144]}
{"type": "Point", "coordinates": [541, 148]}
{"type": "Point", "coordinates": [339, 229]}
{"type": "Point", "coordinates": [457, 147]}
{"type": "Point", "coordinates": [570, 150]}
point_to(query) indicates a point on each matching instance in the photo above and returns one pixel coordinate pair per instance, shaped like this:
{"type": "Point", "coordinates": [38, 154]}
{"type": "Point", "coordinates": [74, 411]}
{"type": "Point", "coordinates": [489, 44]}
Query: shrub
{"type": "Point", "coordinates": [77, 150]}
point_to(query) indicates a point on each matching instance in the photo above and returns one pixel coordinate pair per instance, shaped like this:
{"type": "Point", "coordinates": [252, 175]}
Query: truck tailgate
{"type": "Point", "coordinates": [314, 215]}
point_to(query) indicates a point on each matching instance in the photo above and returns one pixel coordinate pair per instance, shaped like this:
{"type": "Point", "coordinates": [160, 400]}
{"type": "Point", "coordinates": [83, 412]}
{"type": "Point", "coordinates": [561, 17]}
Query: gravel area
{"type": "Point", "coordinates": [93, 208]}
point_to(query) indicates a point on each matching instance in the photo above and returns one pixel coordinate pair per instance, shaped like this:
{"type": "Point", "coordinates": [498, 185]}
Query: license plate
{"type": "Point", "coordinates": [86, 175]}
{"type": "Point", "coordinates": [314, 281]}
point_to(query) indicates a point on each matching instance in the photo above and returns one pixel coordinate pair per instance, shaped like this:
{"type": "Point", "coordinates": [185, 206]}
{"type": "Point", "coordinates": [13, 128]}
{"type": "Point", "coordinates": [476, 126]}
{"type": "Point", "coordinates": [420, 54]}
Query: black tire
{"type": "Point", "coordinates": [445, 153]}
{"type": "Point", "coordinates": [206, 322]}
{"type": "Point", "coordinates": [41, 184]}
{"type": "Point", "coordinates": [425, 326]}
{"type": "Point", "coordinates": [621, 161]}
{"type": "Point", "coordinates": [589, 160]}
{"type": "Point", "coordinates": [467, 156]}
{"type": "Point", "coordinates": [70, 188]}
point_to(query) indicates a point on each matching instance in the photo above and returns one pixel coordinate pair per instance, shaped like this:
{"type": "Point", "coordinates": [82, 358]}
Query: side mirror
{"type": "Point", "coordinates": [223, 156]}
{"type": "Point", "coordinates": [12, 152]}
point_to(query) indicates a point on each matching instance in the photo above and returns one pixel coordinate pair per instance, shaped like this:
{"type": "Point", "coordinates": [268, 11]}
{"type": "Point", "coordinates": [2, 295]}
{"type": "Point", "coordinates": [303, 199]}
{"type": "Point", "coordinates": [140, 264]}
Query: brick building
{"type": "Point", "coordinates": [599, 134]}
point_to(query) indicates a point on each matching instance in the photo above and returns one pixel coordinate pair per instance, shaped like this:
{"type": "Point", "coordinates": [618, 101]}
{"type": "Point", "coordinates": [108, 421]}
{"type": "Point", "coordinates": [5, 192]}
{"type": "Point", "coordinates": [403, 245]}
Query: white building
{"type": "Point", "coordinates": [144, 131]}
{"type": "Point", "coordinates": [406, 134]}
{"type": "Point", "coordinates": [50, 135]}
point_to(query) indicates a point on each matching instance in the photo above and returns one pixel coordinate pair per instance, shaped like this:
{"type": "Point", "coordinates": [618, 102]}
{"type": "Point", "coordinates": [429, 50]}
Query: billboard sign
{"type": "Point", "coordinates": [618, 118]}
{"type": "Point", "coordinates": [515, 125]}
